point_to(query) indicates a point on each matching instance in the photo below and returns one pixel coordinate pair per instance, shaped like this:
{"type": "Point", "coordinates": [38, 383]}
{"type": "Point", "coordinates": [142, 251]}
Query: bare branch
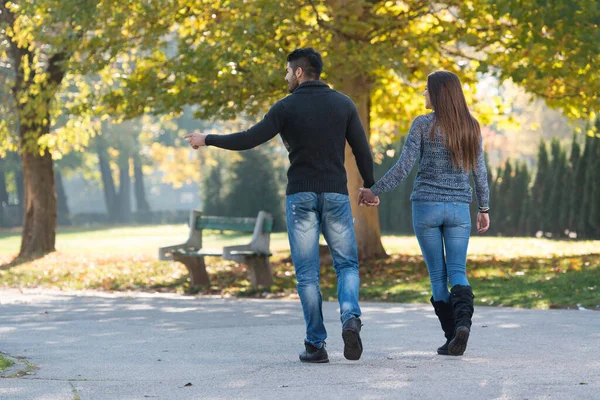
{"type": "Point", "coordinates": [401, 19]}
{"type": "Point", "coordinates": [314, 7]}
{"type": "Point", "coordinates": [458, 53]}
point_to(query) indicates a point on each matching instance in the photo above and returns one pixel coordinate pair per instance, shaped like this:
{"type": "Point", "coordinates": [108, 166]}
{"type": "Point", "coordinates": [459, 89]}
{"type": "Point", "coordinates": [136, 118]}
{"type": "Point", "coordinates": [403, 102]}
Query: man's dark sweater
{"type": "Point", "coordinates": [315, 122]}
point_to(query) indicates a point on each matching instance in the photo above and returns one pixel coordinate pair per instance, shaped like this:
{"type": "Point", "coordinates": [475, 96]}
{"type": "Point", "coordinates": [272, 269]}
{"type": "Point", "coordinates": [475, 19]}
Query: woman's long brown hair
{"type": "Point", "coordinates": [460, 130]}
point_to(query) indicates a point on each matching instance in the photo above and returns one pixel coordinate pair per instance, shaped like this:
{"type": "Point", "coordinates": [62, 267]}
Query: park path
{"type": "Point", "coordinates": [143, 346]}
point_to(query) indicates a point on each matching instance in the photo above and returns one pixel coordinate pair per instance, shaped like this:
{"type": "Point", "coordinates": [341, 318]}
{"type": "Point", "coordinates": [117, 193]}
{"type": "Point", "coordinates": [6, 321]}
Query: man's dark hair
{"type": "Point", "coordinates": [310, 61]}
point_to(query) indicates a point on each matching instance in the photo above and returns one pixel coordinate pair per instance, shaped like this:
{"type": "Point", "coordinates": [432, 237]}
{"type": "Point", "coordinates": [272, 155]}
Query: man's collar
{"type": "Point", "coordinates": [315, 83]}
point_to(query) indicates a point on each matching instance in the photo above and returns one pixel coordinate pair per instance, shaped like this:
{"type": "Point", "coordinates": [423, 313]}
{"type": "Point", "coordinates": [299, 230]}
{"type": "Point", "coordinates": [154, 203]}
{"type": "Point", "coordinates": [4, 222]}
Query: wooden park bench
{"type": "Point", "coordinates": [254, 255]}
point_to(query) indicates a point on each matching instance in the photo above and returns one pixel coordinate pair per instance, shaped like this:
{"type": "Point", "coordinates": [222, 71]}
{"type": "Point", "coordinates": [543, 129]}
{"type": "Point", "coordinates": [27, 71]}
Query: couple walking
{"type": "Point", "coordinates": [315, 122]}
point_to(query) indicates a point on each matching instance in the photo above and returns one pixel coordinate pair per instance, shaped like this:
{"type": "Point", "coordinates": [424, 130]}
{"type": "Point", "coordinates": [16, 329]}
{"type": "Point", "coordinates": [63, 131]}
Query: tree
{"type": "Point", "coordinates": [395, 210]}
{"type": "Point", "coordinates": [116, 147]}
{"type": "Point", "coordinates": [520, 196]}
{"type": "Point", "coordinates": [583, 182]}
{"type": "Point", "coordinates": [586, 222]}
{"type": "Point", "coordinates": [46, 43]}
{"type": "Point", "coordinates": [595, 194]}
{"type": "Point", "coordinates": [253, 188]}
{"type": "Point", "coordinates": [216, 184]}
{"type": "Point", "coordinates": [108, 183]}
{"type": "Point", "coordinates": [538, 191]}
{"type": "Point", "coordinates": [569, 188]}
{"type": "Point", "coordinates": [595, 186]}
{"type": "Point", "coordinates": [505, 196]}
{"type": "Point", "coordinates": [212, 192]}
{"type": "Point", "coordinates": [554, 187]}
{"type": "Point", "coordinates": [141, 201]}
{"type": "Point", "coordinates": [551, 49]}
{"type": "Point", "coordinates": [3, 191]}
{"type": "Point", "coordinates": [226, 57]}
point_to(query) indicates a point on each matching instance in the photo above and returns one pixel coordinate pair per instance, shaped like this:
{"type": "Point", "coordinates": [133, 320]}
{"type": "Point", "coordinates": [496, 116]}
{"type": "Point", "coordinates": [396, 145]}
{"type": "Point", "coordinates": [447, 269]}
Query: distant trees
{"type": "Point", "coordinates": [244, 186]}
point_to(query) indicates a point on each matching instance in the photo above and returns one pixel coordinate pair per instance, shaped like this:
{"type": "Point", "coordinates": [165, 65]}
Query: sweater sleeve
{"type": "Point", "coordinates": [482, 190]}
{"type": "Point", "coordinates": [410, 152]}
{"type": "Point", "coordinates": [263, 131]}
{"type": "Point", "coordinates": [357, 139]}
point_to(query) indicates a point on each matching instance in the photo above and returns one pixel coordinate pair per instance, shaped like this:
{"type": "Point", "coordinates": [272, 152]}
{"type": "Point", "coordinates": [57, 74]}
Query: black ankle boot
{"type": "Point", "coordinates": [314, 355]}
{"type": "Point", "coordinates": [351, 335]}
{"type": "Point", "coordinates": [462, 302]}
{"type": "Point", "coordinates": [445, 314]}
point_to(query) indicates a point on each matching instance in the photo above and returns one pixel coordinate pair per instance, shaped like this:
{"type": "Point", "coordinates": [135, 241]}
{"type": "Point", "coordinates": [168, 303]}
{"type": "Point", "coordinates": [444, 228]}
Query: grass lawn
{"type": "Point", "coordinates": [519, 272]}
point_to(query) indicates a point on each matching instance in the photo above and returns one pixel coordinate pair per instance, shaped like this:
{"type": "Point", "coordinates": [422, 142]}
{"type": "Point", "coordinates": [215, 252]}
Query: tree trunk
{"type": "Point", "coordinates": [61, 198]}
{"type": "Point", "coordinates": [366, 223]}
{"type": "Point", "coordinates": [32, 107]}
{"type": "Point", "coordinates": [124, 198]}
{"type": "Point", "coordinates": [3, 191]}
{"type": "Point", "coordinates": [39, 214]}
{"type": "Point", "coordinates": [108, 184]}
{"type": "Point", "coordinates": [20, 192]}
{"type": "Point", "coordinates": [140, 192]}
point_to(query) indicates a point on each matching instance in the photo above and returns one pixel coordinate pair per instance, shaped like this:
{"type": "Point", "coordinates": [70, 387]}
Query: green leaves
{"type": "Point", "coordinates": [228, 56]}
{"type": "Point", "coordinates": [548, 48]}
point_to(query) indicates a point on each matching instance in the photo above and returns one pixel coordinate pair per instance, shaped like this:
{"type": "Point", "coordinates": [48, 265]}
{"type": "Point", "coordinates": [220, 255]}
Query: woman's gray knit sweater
{"type": "Point", "coordinates": [436, 179]}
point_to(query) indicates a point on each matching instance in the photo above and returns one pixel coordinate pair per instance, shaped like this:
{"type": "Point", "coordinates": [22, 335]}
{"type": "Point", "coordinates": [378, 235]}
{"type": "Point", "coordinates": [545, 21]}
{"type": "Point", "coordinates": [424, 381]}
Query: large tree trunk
{"type": "Point", "coordinates": [61, 198]}
{"type": "Point", "coordinates": [124, 197]}
{"type": "Point", "coordinates": [39, 214]}
{"type": "Point", "coordinates": [108, 184]}
{"type": "Point", "coordinates": [140, 192]}
{"type": "Point", "coordinates": [32, 107]}
{"type": "Point", "coordinates": [366, 224]}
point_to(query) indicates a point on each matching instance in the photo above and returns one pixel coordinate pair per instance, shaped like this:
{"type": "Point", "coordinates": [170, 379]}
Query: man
{"type": "Point", "coordinates": [315, 122]}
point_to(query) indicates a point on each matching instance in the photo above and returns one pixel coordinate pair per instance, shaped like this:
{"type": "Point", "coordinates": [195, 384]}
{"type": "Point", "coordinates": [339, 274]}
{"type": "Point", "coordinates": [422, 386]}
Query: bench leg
{"type": "Point", "coordinates": [260, 272]}
{"type": "Point", "coordinates": [196, 268]}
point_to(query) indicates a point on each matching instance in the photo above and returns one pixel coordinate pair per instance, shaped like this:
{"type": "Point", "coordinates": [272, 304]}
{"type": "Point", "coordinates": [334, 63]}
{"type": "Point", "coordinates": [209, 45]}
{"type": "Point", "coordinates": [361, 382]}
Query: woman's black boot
{"type": "Point", "coordinates": [445, 314]}
{"type": "Point", "coordinates": [462, 302]}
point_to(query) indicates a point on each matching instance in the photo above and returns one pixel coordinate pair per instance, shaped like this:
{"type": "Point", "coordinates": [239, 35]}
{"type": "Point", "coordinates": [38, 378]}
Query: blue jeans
{"type": "Point", "coordinates": [443, 231]}
{"type": "Point", "coordinates": [308, 214]}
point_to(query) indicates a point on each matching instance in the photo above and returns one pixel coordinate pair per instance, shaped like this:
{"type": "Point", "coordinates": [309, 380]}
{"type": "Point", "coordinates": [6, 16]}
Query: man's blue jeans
{"type": "Point", "coordinates": [308, 214]}
{"type": "Point", "coordinates": [443, 226]}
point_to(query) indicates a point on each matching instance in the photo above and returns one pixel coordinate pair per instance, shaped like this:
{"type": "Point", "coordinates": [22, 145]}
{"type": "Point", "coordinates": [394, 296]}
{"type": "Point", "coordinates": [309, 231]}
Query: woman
{"type": "Point", "coordinates": [449, 147]}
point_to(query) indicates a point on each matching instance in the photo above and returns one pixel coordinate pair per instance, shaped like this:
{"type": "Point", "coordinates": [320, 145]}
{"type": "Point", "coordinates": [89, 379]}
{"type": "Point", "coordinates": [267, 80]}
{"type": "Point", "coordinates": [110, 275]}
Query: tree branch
{"type": "Point", "coordinates": [16, 53]}
{"type": "Point", "coordinates": [56, 68]}
{"type": "Point", "coordinates": [458, 53]}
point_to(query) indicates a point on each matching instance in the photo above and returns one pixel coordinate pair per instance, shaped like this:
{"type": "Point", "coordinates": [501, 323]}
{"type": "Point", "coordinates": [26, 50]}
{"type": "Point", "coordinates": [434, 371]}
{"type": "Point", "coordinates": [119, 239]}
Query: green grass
{"type": "Point", "coordinates": [556, 282]}
{"type": "Point", "coordinates": [140, 240]}
{"type": "Point", "coordinates": [519, 272]}
{"type": "Point", "coordinates": [5, 363]}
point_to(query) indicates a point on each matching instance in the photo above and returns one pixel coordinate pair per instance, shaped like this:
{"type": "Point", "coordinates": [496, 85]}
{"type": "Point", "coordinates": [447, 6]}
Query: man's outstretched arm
{"type": "Point", "coordinates": [265, 130]}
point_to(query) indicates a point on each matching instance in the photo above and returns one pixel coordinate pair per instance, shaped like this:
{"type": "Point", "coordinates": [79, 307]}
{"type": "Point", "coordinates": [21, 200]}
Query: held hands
{"type": "Point", "coordinates": [483, 222]}
{"type": "Point", "coordinates": [367, 198]}
{"type": "Point", "coordinates": [196, 140]}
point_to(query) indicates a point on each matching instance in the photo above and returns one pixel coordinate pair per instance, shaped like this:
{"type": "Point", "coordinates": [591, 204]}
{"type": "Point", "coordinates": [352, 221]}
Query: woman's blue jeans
{"type": "Point", "coordinates": [443, 230]}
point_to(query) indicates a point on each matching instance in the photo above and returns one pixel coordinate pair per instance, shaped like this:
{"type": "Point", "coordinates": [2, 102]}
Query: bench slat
{"type": "Point", "coordinates": [231, 224]}
{"type": "Point", "coordinates": [247, 253]}
{"type": "Point", "coordinates": [210, 253]}
{"type": "Point", "coordinates": [191, 252]}
{"type": "Point", "coordinates": [217, 253]}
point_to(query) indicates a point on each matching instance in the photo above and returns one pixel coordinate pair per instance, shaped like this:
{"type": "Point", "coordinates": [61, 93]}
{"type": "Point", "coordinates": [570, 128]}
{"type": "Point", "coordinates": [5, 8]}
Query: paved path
{"type": "Point", "coordinates": [151, 346]}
